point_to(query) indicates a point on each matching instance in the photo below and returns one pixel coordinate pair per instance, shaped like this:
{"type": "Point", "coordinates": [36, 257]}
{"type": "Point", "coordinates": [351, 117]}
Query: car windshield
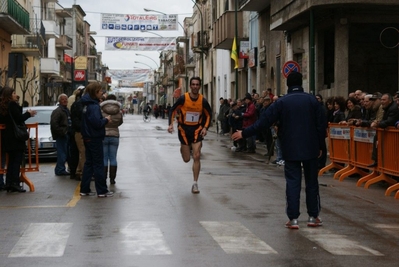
{"type": "Point", "coordinates": [42, 117]}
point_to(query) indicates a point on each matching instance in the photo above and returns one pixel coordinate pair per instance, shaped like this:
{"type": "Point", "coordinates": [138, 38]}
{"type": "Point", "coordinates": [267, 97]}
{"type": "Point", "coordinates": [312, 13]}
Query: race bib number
{"type": "Point", "coordinates": [192, 116]}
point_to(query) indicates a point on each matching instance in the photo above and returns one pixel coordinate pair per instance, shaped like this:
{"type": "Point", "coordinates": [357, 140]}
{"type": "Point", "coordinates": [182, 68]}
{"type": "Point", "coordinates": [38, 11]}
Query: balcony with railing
{"type": "Point", "coordinates": [52, 30]}
{"type": "Point", "coordinates": [50, 24]}
{"type": "Point", "coordinates": [14, 19]}
{"type": "Point", "coordinates": [92, 76]}
{"type": "Point", "coordinates": [224, 32]}
{"type": "Point", "coordinates": [253, 5]}
{"type": "Point", "coordinates": [64, 42]}
{"type": "Point", "coordinates": [29, 45]}
{"type": "Point", "coordinates": [50, 66]}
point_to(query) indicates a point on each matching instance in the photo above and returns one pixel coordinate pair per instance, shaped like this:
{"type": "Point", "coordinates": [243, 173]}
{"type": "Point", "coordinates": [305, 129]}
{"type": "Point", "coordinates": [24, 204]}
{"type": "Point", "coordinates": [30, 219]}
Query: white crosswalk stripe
{"type": "Point", "coordinates": [337, 244]}
{"type": "Point", "coordinates": [391, 229]}
{"type": "Point", "coordinates": [42, 240]}
{"type": "Point", "coordinates": [234, 238]}
{"type": "Point", "coordinates": [144, 238]}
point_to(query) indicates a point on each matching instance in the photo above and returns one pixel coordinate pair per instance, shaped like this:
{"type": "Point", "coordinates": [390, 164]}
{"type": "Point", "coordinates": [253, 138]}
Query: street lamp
{"type": "Point", "coordinates": [138, 62]}
{"type": "Point", "coordinates": [152, 33]}
{"type": "Point", "coordinates": [137, 54]}
{"type": "Point", "coordinates": [185, 42]}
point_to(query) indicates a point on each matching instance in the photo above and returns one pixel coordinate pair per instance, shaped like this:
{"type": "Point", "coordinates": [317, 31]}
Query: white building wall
{"type": "Point", "coordinates": [222, 75]}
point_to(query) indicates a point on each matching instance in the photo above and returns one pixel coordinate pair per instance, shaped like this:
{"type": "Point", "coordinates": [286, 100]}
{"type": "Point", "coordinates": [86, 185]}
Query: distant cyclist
{"type": "Point", "coordinates": [147, 110]}
{"type": "Point", "coordinates": [193, 122]}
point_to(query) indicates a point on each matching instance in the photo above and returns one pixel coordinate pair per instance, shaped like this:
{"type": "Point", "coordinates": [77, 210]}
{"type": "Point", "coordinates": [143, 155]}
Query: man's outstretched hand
{"type": "Point", "coordinates": [237, 135]}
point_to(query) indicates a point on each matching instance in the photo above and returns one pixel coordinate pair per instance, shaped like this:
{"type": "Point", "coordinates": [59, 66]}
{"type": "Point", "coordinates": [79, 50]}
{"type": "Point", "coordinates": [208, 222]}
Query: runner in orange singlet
{"type": "Point", "coordinates": [193, 122]}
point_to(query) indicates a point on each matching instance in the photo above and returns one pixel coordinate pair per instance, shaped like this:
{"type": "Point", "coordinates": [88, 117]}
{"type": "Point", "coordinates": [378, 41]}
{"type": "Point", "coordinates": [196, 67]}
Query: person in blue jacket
{"type": "Point", "coordinates": [302, 132]}
{"type": "Point", "coordinates": [93, 133]}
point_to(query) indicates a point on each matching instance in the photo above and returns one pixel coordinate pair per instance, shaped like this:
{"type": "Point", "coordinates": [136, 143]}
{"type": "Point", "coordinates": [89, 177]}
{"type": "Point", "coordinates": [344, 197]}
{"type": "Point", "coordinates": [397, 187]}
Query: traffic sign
{"type": "Point", "coordinates": [289, 67]}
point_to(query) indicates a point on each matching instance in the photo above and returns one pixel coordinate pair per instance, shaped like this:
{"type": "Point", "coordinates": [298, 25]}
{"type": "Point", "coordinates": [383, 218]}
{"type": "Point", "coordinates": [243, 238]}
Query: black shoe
{"type": "Point", "coordinates": [63, 174]}
{"type": "Point", "coordinates": [372, 165]}
{"type": "Point", "coordinates": [238, 150]}
{"type": "Point", "coordinates": [15, 188]}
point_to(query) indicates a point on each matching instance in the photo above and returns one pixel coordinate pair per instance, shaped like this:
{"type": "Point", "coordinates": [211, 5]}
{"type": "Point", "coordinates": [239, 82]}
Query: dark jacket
{"type": "Point", "coordinates": [356, 113]}
{"type": "Point", "coordinates": [93, 122]}
{"type": "Point", "coordinates": [302, 124]}
{"type": "Point", "coordinates": [338, 116]}
{"type": "Point", "coordinates": [391, 116]}
{"type": "Point", "coordinates": [76, 115]}
{"type": "Point", "coordinates": [59, 122]}
{"type": "Point", "coordinates": [8, 139]}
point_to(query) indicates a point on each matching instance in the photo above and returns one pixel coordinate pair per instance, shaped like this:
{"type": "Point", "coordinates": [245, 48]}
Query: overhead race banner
{"type": "Point", "coordinates": [140, 43]}
{"type": "Point", "coordinates": [147, 22]}
{"type": "Point", "coordinates": [131, 78]}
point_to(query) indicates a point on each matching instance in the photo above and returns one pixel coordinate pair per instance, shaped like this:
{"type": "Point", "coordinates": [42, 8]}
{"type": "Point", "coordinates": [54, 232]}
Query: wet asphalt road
{"type": "Point", "coordinates": [154, 220]}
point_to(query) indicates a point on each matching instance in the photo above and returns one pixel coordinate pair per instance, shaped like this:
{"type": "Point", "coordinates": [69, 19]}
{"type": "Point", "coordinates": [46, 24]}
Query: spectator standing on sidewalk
{"type": "Point", "coordinates": [111, 141]}
{"type": "Point", "coordinates": [390, 117]}
{"type": "Point", "coordinates": [249, 117]}
{"type": "Point", "coordinates": [76, 117]}
{"type": "Point", "coordinates": [222, 116]}
{"type": "Point", "coordinates": [60, 125]}
{"type": "Point", "coordinates": [93, 133]}
{"type": "Point", "coordinates": [302, 131]}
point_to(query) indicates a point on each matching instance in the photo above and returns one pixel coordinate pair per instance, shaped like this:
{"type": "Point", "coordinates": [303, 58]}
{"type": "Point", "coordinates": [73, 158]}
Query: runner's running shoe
{"type": "Point", "coordinates": [194, 189]}
{"type": "Point", "coordinates": [292, 224]}
{"type": "Point", "coordinates": [314, 222]}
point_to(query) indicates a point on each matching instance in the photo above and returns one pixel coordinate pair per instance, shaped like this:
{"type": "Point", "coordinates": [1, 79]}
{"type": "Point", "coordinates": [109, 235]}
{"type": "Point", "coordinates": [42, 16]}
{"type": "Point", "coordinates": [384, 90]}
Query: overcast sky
{"type": "Point", "coordinates": [125, 59]}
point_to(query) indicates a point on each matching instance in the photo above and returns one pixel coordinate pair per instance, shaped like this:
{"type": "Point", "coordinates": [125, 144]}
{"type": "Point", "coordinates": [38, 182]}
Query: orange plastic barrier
{"type": "Point", "coordinates": [353, 146]}
{"type": "Point", "coordinates": [32, 163]}
{"type": "Point", "coordinates": [388, 156]}
{"type": "Point", "coordinates": [339, 148]}
{"type": "Point", "coordinates": [361, 144]}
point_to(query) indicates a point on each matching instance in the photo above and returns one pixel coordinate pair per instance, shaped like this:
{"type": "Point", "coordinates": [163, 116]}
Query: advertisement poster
{"type": "Point", "coordinates": [143, 22]}
{"type": "Point", "coordinates": [131, 77]}
{"type": "Point", "coordinates": [244, 49]}
{"type": "Point", "coordinates": [140, 43]}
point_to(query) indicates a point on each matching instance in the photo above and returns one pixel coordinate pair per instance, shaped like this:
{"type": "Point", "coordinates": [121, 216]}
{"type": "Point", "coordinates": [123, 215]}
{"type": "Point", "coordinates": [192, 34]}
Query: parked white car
{"type": "Point", "coordinates": [47, 147]}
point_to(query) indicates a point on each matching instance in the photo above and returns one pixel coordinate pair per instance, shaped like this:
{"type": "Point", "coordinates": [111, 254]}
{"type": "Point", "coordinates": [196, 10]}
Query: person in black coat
{"type": "Point", "coordinates": [9, 110]}
{"type": "Point", "coordinates": [390, 117]}
{"type": "Point", "coordinates": [302, 132]}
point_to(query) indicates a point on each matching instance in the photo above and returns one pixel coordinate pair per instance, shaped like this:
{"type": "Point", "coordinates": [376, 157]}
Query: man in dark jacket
{"type": "Point", "coordinates": [78, 151]}
{"type": "Point", "coordinates": [60, 124]}
{"type": "Point", "coordinates": [390, 117]}
{"type": "Point", "coordinates": [302, 131]}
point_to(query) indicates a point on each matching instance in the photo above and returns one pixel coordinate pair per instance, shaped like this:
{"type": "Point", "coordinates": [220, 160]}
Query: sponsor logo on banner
{"type": "Point", "coordinates": [140, 43]}
{"type": "Point", "coordinates": [340, 133]}
{"type": "Point", "coordinates": [80, 75]}
{"type": "Point", "coordinates": [153, 22]}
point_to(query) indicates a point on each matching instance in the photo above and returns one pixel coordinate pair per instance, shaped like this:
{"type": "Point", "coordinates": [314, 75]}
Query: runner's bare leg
{"type": "Point", "coordinates": [196, 156]}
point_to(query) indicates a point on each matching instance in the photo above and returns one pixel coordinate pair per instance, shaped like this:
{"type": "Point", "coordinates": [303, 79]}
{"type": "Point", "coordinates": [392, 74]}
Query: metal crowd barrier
{"type": "Point", "coordinates": [29, 163]}
{"type": "Point", "coordinates": [350, 150]}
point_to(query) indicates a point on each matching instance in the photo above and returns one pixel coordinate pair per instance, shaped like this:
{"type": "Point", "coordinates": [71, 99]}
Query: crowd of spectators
{"type": "Point", "coordinates": [363, 109]}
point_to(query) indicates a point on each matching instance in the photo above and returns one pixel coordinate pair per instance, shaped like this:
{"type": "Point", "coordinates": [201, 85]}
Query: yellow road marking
{"type": "Point", "coordinates": [72, 203]}
{"type": "Point", "coordinates": [75, 198]}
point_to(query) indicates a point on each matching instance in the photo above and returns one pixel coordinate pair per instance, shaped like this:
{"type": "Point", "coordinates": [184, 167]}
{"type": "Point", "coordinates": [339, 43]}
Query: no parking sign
{"type": "Point", "coordinates": [289, 67]}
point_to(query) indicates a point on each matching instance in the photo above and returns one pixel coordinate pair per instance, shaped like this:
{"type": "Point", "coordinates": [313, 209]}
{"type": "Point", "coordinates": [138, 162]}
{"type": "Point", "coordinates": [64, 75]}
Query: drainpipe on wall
{"type": "Point", "coordinates": [312, 87]}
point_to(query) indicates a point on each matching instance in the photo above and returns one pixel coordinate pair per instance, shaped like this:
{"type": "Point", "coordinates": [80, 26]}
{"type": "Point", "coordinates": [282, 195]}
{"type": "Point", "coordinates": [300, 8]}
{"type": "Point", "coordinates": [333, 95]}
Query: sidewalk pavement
{"type": "Point", "coordinates": [260, 146]}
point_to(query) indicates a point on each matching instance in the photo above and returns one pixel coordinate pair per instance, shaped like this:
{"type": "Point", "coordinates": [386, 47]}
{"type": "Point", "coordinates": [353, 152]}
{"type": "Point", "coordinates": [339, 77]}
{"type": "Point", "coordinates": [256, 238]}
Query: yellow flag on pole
{"type": "Point", "coordinates": [234, 53]}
